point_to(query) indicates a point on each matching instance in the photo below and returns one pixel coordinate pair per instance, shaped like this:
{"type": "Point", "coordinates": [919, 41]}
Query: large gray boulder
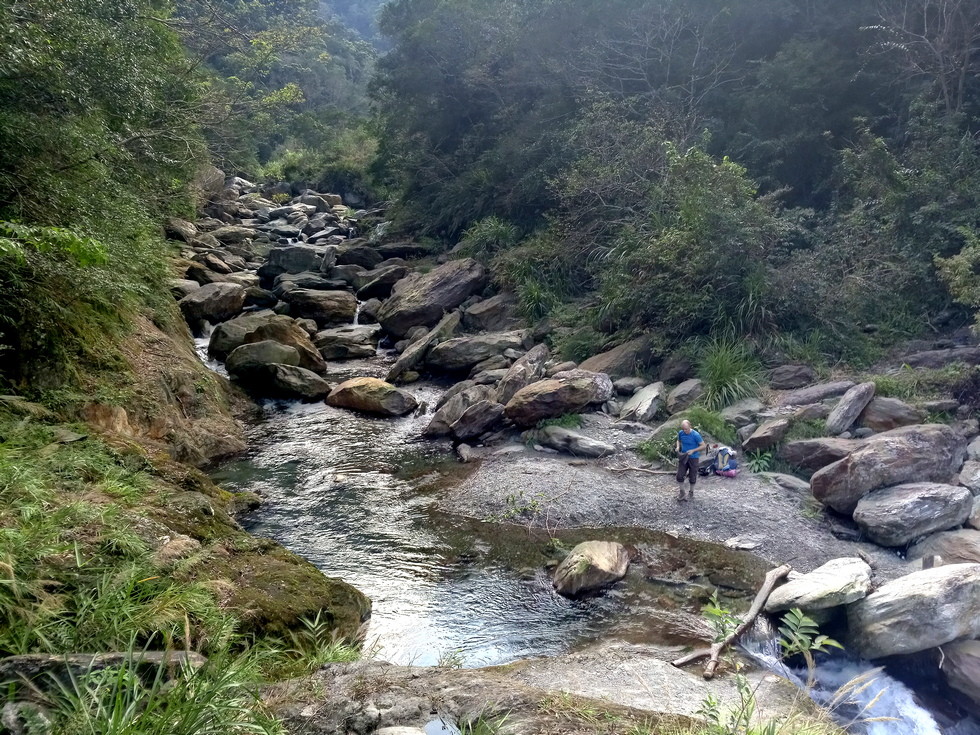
{"type": "Point", "coordinates": [228, 335]}
{"type": "Point", "coordinates": [286, 331]}
{"type": "Point", "coordinates": [359, 254]}
{"type": "Point", "coordinates": [894, 516]}
{"type": "Point", "coordinates": [348, 342]}
{"type": "Point", "coordinates": [684, 395]}
{"type": "Point", "coordinates": [849, 408]}
{"type": "Point", "coordinates": [813, 454]}
{"type": "Point", "coordinates": [935, 359]}
{"type": "Point", "coordinates": [463, 353]}
{"type": "Point", "coordinates": [289, 381]}
{"type": "Point", "coordinates": [496, 314]}
{"type": "Point", "coordinates": [571, 442]}
{"type": "Point", "coordinates": [788, 377]}
{"type": "Point", "coordinates": [378, 283]}
{"type": "Point", "coordinates": [453, 409]}
{"type": "Point", "coordinates": [476, 420]}
{"type": "Point", "coordinates": [324, 307]}
{"type": "Point", "coordinates": [955, 547]}
{"type": "Point", "coordinates": [527, 369]}
{"type": "Point", "coordinates": [744, 412]}
{"type": "Point", "coordinates": [548, 399]}
{"type": "Point", "coordinates": [297, 259]}
{"type": "Point", "coordinates": [628, 359]}
{"type": "Point", "coordinates": [970, 476]}
{"type": "Point", "coordinates": [233, 234]}
{"type": "Point", "coordinates": [591, 566]}
{"type": "Point", "coordinates": [424, 301]}
{"type": "Point", "coordinates": [602, 385]}
{"type": "Point", "coordinates": [215, 302]}
{"type": "Point", "coordinates": [885, 414]}
{"type": "Point", "coordinates": [816, 393]}
{"type": "Point", "coordinates": [961, 667]}
{"type": "Point", "coordinates": [767, 436]}
{"type": "Point", "coordinates": [917, 612]}
{"type": "Point", "coordinates": [371, 395]}
{"type": "Point", "coordinates": [924, 453]}
{"type": "Point", "coordinates": [416, 352]}
{"type": "Point", "coordinates": [645, 404]}
{"type": "Point", "coordinates": [247, 358]}
{"type": "Point", "coordinates": [838, 582]}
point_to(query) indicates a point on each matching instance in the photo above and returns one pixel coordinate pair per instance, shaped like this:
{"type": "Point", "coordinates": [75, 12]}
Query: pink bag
{"type": "Point", "coordinates": [726, 473]}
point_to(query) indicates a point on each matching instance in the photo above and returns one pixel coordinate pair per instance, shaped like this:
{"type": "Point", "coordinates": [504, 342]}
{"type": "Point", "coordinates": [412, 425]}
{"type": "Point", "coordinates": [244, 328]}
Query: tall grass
{"type": "Point", "coordinates": [729, 371]}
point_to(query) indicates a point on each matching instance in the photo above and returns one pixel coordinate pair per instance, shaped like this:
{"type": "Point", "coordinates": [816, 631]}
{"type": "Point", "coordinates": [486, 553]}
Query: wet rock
{"type": "Point", "coordinates": [362, 255]}
{"type": "Point", "coordinates": [645, 405]}
{"type": "Point", "coordinates": [620, 362]}
{"type": "Point", "coordinates": [231, 334]}
{"type": "Point", "coordinates": [451, 411]}
{"type": "Point", "coordinates": [838, 582]}
{"type": "Point", "coordinates": [522, 373]}
{"type": "Point", "coordinates": [476, 420]}
{"type": "Point", "coordinates": [684, 395]}
{"type": "Point", "coordinates": [885, 414]}
{"type": "Point", "coordinates": [788, 377]}
{"type": "Point", "coordinates": [571, 442]}
{"type": "Point", "coordinates": [248, 357]}
{"type": "Point", "coordinates": [285, 331]}
{"type": "Point", "coordinates": [961, 667]}
{"type": "Point", "coordinates": [288, 381]}
{"type": "Point", "coordinates": [744, 412]}
{"type": "Point", "coordinates": [463, 353]}
{"type": "Point", "coordinates": [591, 566]}
{"type": "Point", "coordinates": [369, 311]}
{"type": "Point", "coordinates": [917, 612]}
{"type": "Point", "coordinates": [496, 314]}
{"type": "Point", "coordinates": [894, 516]}
{"type": "Point", "coordinates": [215, 302]}
{"type": "Point", "coordinates": [348, 342]}
{"type": "Point", "coordinates": [925, 453]}
{"type": "Point", "coordinates": [767, 436]}
{"type": "Point", "coordinates": [816, 393]}
{"type": "Point", "coordinates": [425, 300]}
{"type": "Point", "coordinates": [371, 395]}
{"type": "Point", "coordinates": [935, 359]}
{"type": "Point", "coordinates": [453, 391]}
{"type": "Point", "coordinates": [415, 354]}
{"type": "Point", "coordinates": [381, 282]}
{"type": "Point", "coordinates": [324, 307]}
{"type": "Point", "coordinates": [813, 454]}
{"type": "Point", "coordinates": [849, 408]}
{"type": "Point", "coordinates": [955, 547]}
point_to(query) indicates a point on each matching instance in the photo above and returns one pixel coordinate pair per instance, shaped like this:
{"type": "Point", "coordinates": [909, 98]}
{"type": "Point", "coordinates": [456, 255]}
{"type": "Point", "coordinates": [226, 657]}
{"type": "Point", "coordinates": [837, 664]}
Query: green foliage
{"type": "Point", "coordinates": [711, 423]}
{"type": "Point", "coordinates": [800, 635]}
{"type": "Point", "coordinates": [910, 384]}
{"type": "Point", "coordinates": [960, 272]}
{"type": "Point", "coordinates": [486, 238]}
{"type": "Point", "coordinates": [759, 461]}
{"type": "Point", "coordinates": [806, 429]}
{"type": "Point", "coordinates": [659, 449]}
{"type": "Point", "coordinates": [729, 371]}
{"type": "Point", "coordinates": [721, 620]}
{"type": "Point", "coordinates": [568, 421]}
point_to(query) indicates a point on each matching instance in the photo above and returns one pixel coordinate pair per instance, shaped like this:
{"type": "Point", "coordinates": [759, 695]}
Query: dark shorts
{"type": "Point", "coordinates": [688, 466]}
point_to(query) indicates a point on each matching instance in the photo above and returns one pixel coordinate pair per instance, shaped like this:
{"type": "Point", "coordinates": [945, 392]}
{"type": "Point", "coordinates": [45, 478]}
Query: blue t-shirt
{"type": "Point", "coordinates": [690, 441]}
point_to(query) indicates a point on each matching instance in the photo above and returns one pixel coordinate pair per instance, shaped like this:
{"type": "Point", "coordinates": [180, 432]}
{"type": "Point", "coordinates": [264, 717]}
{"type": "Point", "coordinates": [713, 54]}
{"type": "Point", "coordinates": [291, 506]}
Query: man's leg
{"type": "Point", "coordinates": [692, 470]}
{"type": "Point", "coordinates": [681, 472]}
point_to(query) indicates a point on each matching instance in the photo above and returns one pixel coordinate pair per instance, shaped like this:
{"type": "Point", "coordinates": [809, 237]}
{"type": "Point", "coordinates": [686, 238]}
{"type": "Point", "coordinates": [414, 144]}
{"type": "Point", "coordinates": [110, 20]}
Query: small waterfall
{"type": "Point", "coordinates": [861, 697]}
{"type": "Point", "coordinates": [357, 313]}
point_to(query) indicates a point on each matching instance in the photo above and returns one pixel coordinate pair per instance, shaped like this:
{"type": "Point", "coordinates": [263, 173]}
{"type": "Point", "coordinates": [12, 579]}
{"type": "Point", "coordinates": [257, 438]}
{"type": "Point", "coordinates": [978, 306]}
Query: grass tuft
{"type": "Point", "coordinates": [729, 371]}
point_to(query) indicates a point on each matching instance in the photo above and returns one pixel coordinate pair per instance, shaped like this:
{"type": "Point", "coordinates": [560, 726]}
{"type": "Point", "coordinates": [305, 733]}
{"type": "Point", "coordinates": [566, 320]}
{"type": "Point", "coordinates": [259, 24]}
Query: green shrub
{"type": "Point", "coordinates": [806, 429]}
{"type": "Point", "coordinates": [486, 238]}
{"type": "Point", "coordinates": [729, 371]}
{"type": "Point", "coordinates": [568, 421]}
{"type": "Point", "coordinates": [710, 422]}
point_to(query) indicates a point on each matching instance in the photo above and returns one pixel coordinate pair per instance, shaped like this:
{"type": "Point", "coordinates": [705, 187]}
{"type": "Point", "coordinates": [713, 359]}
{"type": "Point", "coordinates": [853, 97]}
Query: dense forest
{"type": "Point", "coordinates": [789, 171]}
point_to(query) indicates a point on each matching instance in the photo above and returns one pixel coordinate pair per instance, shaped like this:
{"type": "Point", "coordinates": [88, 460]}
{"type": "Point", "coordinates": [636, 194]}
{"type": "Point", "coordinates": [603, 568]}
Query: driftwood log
{"type": "Point", "coordinates": [714, 653]}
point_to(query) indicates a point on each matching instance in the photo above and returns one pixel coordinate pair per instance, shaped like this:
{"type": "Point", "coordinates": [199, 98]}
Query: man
{"type": "Point", "coordinates": [689, 447]}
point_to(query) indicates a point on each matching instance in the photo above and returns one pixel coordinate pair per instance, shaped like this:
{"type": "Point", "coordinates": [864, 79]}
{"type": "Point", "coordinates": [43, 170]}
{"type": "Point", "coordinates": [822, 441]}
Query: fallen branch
{"type": "Point", "coordinates": [641, 469]}
{"type": "Point", "coordinates": [714, 653]}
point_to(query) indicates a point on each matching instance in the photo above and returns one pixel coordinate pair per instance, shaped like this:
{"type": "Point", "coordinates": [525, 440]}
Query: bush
{"type": "Point", "coordinates": [729, 371]}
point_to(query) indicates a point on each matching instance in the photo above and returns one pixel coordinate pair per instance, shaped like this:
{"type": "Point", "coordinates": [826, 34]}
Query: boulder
{"type": "Point", "coordinates": [838, 582]}
{"type": "Point", "coordinates": [214, 263]}
{"type": "Point", "coordinates": [961, 667]}
{"type": "Point", "coordinates": [955, 547]}
{"type": "Point", "coordinates": [306, 280]}
{"type": "Point", "coordinates": [246, 359]}
{"type": "Point", "coordinates": [463, 353]}
{"type": "Point", "coordinates": [970, 476]}
{"type": "Point", "coordinates": [226, 336]}
{"type": "Point", "coordinates": [297, 259]}
{"type": "Point", "coordinates": [215, 302]}
{"type": "Point", "coordinates": [894, 516]}
{"type": "Point", "coordinates": [924, 453]}
{"type": "Point", "coordinates": [255, 296]}
{"type": "Point", "coordinates": [973, 450]}
{"type": "Point", "coordinates": [645, 404]}
{"type": "Point", "coordinates": [546, 399]}
{"type": "Point", "coordinates": [788, 377]}
{"type": "Point", "coordinates": [496, 314]}
{"type": "Point", "coordinates": [849, 408]}
{"type": "Point", "coordinates": [522, 373]}
{"type": "Point", "coordinates": [570, 442]}
{"type": "Point", "coordinates": [935, 359]}
{"type": "Point", "coordinates": [676, 368]}
{"type": "Point", "coordinates": [684, 395]}
{"type": "Point", "coordinates": [813, 454]}
{"type": "Point", "coordinates": [767, 436]}
{"type": "Point", "coordinates": [476, 420]}
{"type": "Point", "coordinates": [180, 229]}
{"type": "Point", "coordinates": [362, 255]}
{"type": "Point", "coordinates": [620, 362]}
{"type": "Point", "coordinates": [917, 612]}
{"type": "Point", "coordinates": [323, 307]}
{"type": "Point", "coordinates": [380, 282]}
{"type": "Point", "coordinates": [591, 566]}
{"type": "Point", "coordinates": [234, 234]}
{"type": "Point", "coordinates": [885, 414]}
{"type": "Point", "coordinates": [452, 409]}
{"type": "Point", "coordinates": [181, 287]}
{"type": "Point", "coordinates": [788, 482]}
{"type": "Point", "coordinates": [372, 395]}
{"type": "Point", "coordinates": [286, 331]}
{"type": "Point", "coordinates": [630, 386]}
{"type": "Point", "coordinates": [744, 412]}
{"type": "Point", "coordinates": [602, 387]}
{"type": "Point", "coordinates": [289, 381]}
{"type": "Point", "coordinates": [974, 520]}
{"type": "Point", "coordinates": [404, 250]}
{"type": "Point", "coordinates": [562, 367]}
{"type": "Point", "coordinates": [348, 342]}
{"type": "Point", "coordinates": [415, 353]}
{"type": "Point", "coordinates": [424, 301]}
{"type": "Point", "coordinates": [816, 393]}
